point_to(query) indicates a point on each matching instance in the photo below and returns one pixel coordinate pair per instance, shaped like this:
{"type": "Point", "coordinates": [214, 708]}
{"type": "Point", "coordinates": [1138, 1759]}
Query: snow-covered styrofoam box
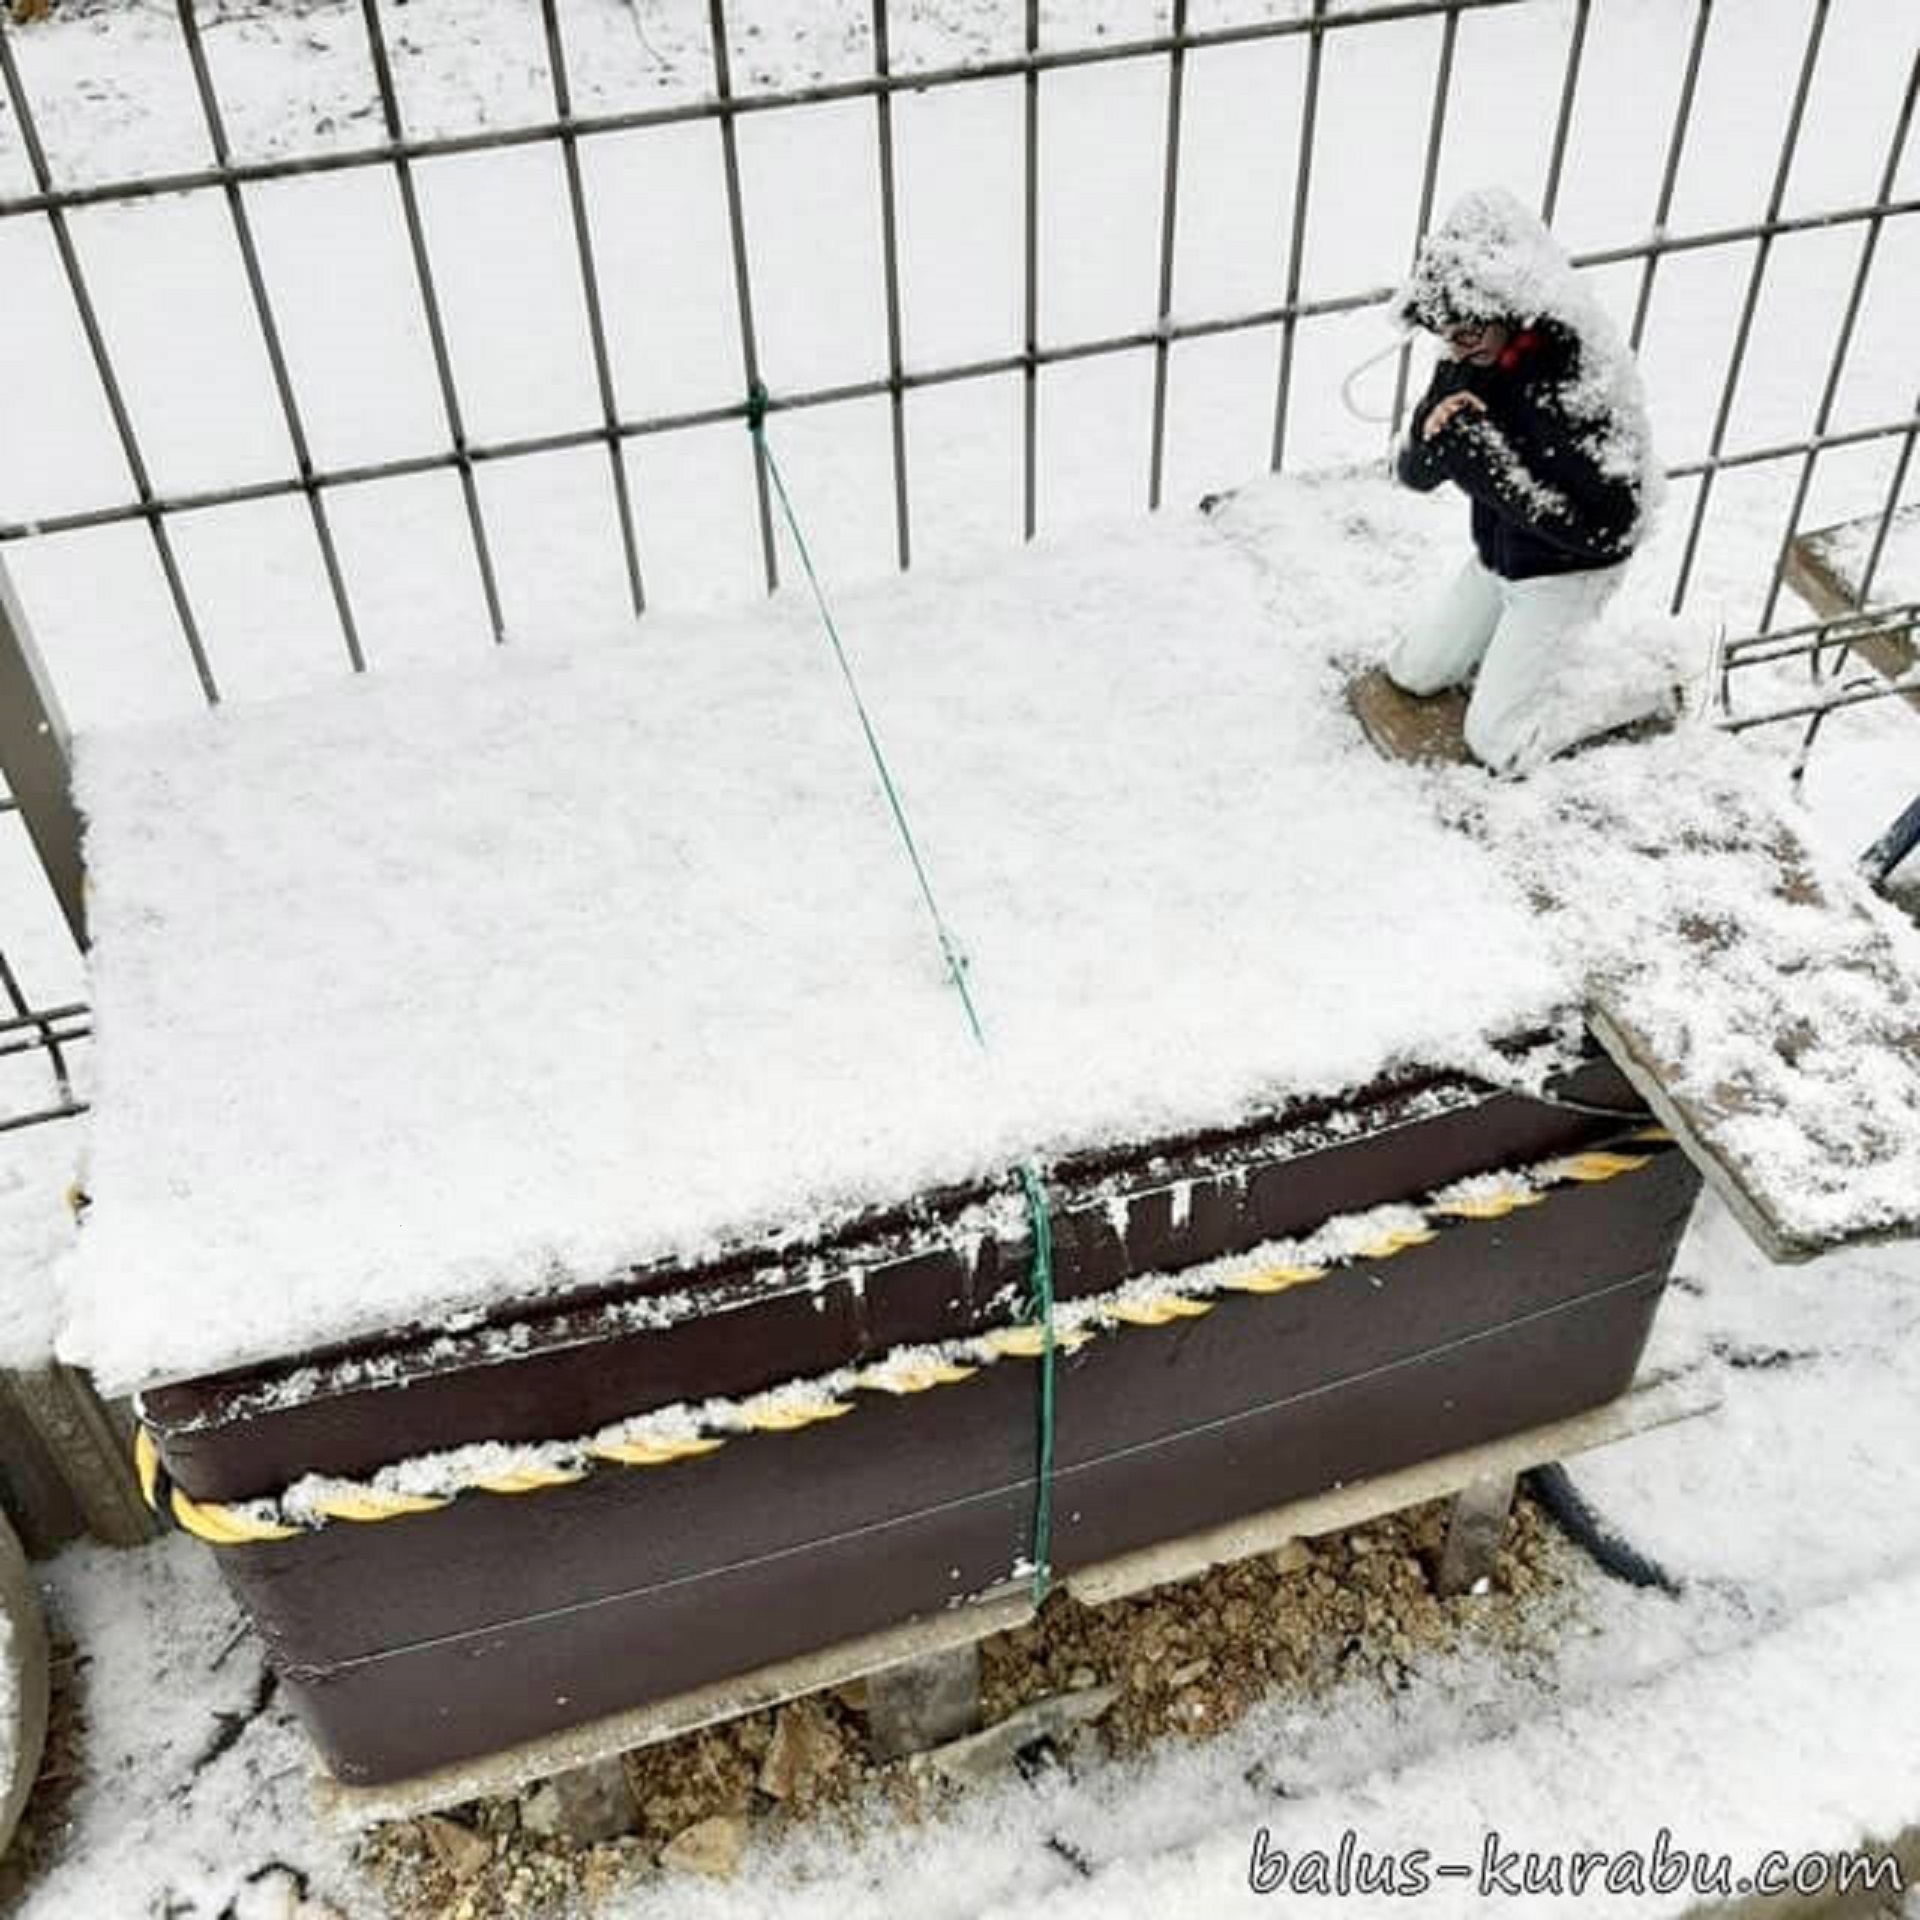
{"type": "Point", "coordinates": [413, 994]}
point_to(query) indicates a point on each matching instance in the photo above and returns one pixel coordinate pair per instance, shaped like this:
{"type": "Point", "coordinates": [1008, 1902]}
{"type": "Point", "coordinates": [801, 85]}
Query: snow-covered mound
{"type": "Point", "coordinates": [434, 990]}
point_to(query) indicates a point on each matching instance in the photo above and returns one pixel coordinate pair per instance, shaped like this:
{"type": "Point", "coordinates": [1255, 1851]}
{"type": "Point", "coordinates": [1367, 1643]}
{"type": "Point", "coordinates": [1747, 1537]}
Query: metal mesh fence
{"type": "Point", "coordinates": [49, 1026]}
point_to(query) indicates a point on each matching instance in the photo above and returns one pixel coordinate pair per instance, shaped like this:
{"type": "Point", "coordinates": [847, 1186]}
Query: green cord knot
{"type": "Point", "coordinates": [757, 409]}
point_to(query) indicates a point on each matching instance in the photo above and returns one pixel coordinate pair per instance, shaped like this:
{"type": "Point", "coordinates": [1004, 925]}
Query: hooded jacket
{"type": "Point", "coordinates": [1541, 501]}
{"type": "Point", "coordinates": [1559, 468]}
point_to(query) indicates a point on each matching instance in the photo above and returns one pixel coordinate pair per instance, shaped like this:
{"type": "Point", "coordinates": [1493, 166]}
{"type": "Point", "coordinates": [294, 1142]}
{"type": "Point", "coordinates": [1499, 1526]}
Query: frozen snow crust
{"type": "Point", "coordinates": [346, 944]}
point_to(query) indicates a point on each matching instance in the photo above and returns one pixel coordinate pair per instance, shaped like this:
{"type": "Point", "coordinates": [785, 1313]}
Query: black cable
{"type": "Point", "coordinates": [1565, 1506]}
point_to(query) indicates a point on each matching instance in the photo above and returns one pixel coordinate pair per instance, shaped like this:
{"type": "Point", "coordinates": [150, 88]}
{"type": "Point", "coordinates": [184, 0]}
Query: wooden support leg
{"type": "Point", "coordinates": [65, 1462]}
{"type": "Point", "coordinates": [924, 1703]}
{"type": "Point", "coordinates": [1475, 1528]}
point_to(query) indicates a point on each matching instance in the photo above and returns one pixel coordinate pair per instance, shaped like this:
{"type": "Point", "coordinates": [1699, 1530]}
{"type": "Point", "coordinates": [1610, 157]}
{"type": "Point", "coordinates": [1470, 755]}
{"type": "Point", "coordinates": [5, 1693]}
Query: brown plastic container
{"type": "Point", "coordinates": [414, 1642]}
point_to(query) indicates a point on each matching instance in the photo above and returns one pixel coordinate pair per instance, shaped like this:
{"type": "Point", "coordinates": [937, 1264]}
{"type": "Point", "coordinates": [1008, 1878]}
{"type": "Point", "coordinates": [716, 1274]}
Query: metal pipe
{"type": "Point", "coordinates": [270, 334]}
{"type": "Point", "coordinates": [1563, 121]}
{"type": "Point", "coordinates": [586, 126]}
{"type": "Point", "coordinates": [1670, 172]}
{"type": "Point", "coordinates": [590, 289]}
{"type": "Point", "coordinates": [890, 263]}
{"type": "Point", "coordinates": [742, 277]}
{"type": "Point", "coordinates": [1030, 284]}
{"type": "Point", "coordinates": [1169, 212]}
{"type": "Point", "coordinates": [1736, 359]}
{"type": "Point", "coordinates": [1429, 179]}
{"type": "Point", "coordinates": [436, 329]}
{"type": "Point", "coordinates": [1297, 240]}
{"type": "Point", "coordinates": [1843, 343]}
{"type": "Point", "coordinates": [109, 380]}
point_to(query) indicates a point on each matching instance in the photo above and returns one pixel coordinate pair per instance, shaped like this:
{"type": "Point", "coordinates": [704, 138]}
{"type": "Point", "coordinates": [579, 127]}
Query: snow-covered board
{"type": "Point", "coordinates": [1424, 732]}
{"type": "Point", "coordinates": [1765, 1005]}
{"type": "Point", "coordinates": [1765, 1010]}
{"type": "Point", "coordinates": [1827, 566]}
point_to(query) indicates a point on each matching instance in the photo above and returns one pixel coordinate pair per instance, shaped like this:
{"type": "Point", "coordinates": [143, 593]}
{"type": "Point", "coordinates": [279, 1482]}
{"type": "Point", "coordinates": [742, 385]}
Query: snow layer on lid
{"type": "Point", "coordinates": [435, 989]}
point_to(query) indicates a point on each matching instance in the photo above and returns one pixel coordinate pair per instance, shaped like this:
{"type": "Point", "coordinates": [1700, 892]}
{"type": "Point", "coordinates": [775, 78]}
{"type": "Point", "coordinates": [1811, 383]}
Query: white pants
{"type": "Point", "coordinates": [1515, 632]}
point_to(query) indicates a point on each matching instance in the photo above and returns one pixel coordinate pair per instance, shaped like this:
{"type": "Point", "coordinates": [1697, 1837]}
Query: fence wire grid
{"type": "Point", "coordinates": [47, 1030]}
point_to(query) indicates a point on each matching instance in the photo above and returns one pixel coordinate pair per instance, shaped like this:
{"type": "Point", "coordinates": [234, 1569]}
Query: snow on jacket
{"type": "Point", "coordinates": [1560, 468]}
{"type": "Point", "coordinates": [1542, 501]}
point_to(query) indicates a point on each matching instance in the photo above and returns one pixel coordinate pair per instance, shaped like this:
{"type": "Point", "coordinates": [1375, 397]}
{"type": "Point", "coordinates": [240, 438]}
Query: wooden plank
{"type": "Point", "coordinates": [1701, 1118]}
{"type": "Point", "coordinates": [1657, 1401]}
{"type": "Point", "coordinates": [1475, 1528]}
{"type": "Point", "coordinates": [1813, 572]}
{"type": "Point", "coordinates": [70, 1461]}
{"type": "Point", "coordinates": [36, 757]}
{"type": "Point", "coordinates": [1429, 731]}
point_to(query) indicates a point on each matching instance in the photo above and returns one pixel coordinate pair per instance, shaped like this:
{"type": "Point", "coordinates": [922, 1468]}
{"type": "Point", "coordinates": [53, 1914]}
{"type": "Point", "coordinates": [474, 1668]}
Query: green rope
{"type": "Point", "coordinates": [1039, 1306]}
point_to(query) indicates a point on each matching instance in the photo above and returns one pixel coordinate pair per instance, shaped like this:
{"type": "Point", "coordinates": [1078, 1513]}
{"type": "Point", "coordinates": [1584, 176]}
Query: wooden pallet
{"type": "Point", "coordinates": [1479, 1479]}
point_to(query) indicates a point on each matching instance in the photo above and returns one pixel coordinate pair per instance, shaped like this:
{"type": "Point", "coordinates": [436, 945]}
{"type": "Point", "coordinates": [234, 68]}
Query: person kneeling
{"type": "Point", "coordinates": [1535, 413]}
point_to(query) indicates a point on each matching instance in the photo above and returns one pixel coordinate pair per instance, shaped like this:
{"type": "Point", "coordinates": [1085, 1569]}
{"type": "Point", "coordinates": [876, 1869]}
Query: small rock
{"type": "Point", "coordinates": [805, 1748]}
{"type": "Point", "coordinates": [1082, 1677]}
{"type": "Point", "coordinates": [1187, 1675]}
{"type": "Point", "coordinates": [585, 1804]}
{"type": "Point", "coordinates": [459, 1849]}
{"type": "Point", "coordinates": [711, 1847]}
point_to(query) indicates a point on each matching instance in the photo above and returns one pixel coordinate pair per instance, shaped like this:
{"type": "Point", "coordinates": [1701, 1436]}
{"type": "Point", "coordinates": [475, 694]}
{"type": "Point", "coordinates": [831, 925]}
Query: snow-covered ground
{"type": "Point", "coordinates": [1774, 1704]}
{"type": "Point", "coordinates": [1771, 1706]}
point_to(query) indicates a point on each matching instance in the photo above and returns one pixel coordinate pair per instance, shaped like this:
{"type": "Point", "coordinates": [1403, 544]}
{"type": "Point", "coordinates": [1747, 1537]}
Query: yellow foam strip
{"type": "Point", "coordinates": [531, 1479]}
{"type": "Point", "coordinates": [1397, 1240]}
{"type": "Point", "coordinates": [223, 1525]}
{"type": "Point", "coordinates": [146, 1464]}
{"type": "Point", "coordinates": [1590, 1167]}
{"type": "Point", "coordinates": [1274, 1279]}
{"type": "Point", "coordinates": [1655, 1136]}
{"type": "Point", "coordinates": [1158, 1312]}
{"type": "Point", "coordinates": [1028, 1343]}
{"type": "Point", "coordinates": [915, 1379]}
{"type": "Point", "coordinates": [1492, 1206]}
{"type": "Point", "coordinates": [775, 1419]}
{"type": "Point", "coordinates": [371, 1503]}
{"type": "Point", "coordinates": [652, 1453]}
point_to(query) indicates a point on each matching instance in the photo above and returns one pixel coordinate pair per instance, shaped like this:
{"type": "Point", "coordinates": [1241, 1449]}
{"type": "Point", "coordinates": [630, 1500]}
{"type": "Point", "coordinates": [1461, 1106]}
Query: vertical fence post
{"type": "Point", "coordinates": [1297, 245]}
{"type": "Point", "coordinates": [65, 1464]}
{"type": "Point", "coordinates": [1030, 372]}
{"type": "Point", "coordinates": [35, 756]}
{"type": "Point", "coordinates": [890, 261]}
{"type": "Point", "coordinates": [1169, 222]}
{"type": "Point", "coordinates": [1670, 172]}
{"type": "Point", "coordinates": [389, 97]}
{"type": "Point", "coordinates": [742, 274]}
{"type": "Point", "coordinates": [590, 292]}
{"type": "Point", "coordinates": [1843, 341]}
{"type": "Point", "coordinates": [1563, 121]}
{"type": "Point", "coordinates": [1743, 333]}
{"type": "Point", "coordinates": [89, 319]}
{"type": "Point", "coordinates": [1429, 180]}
